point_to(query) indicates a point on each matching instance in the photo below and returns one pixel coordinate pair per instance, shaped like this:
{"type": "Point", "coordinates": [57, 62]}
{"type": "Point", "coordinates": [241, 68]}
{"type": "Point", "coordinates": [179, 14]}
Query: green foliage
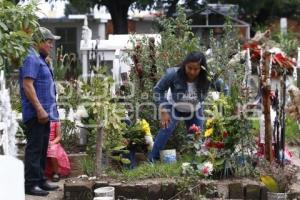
{"type": "Point", "coordinates": [257, 12]}
{"type": "Point", "coordinates": [102, 108]}
{"type": "Point", "coordinates": [288, 42]}
{"type": "Point", "coordinates": [117, 156]}
{"type": "Point", "coordinates": [68, 94]}
{"type": "Point", "coordinates": [15, 99]}
{"type": "Point", "coordinates": [292, 131]}
{"type": "Point", "coordinates": [222, 51]}
{"type": "Point", "coordinates": [87, 165]}
{"type": "Point", "coordinates": [69, 138]}
{"type": "Point", "coordinates": [64, 65]}
{"type": "Point", "coordinates": [16, 27]}
{"type": "Point", "coordinates": [177, 41]}
{"type": "Point", "coordinates": [144, 171]}
{"type": "Point", "coordinates": [135, 137]}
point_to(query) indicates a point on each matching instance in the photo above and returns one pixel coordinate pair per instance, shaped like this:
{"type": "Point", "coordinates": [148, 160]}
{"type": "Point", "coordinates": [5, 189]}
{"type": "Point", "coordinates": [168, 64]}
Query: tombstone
{"type": "Point", "coordinates": [12, 178]}
{"type": "Point", "coordinates": [283, 25]}
{"type": "Point", "coordinates": [113, 51]}
{"type": "Point", "coordinates": [11, 169]}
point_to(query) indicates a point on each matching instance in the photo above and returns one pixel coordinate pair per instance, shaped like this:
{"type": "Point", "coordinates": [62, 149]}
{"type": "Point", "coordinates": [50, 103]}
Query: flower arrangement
{"type": "Point", "coordinates": [215, 133]}
{"type": "Point", "coordinates": [139, 135]}
{"type": "Point", "coordinates": [147, 133]}
{"type": "Point", "coordinates": [224, 147]}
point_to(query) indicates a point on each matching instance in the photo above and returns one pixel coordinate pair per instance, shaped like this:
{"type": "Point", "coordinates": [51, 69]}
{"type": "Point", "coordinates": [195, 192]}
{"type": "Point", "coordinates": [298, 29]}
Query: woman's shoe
{"type": "Point", "coordinates": [55, 178]}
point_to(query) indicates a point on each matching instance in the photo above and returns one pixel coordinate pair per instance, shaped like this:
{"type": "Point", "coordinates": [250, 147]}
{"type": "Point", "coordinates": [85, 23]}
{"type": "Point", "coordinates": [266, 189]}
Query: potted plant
{"type": "Point", "coordinates": [276, 179]}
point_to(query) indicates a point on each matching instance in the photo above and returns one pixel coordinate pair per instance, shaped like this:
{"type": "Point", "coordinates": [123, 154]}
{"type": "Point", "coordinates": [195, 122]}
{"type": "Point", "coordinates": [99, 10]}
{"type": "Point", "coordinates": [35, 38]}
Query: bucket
{"type": "Point", "coordinates": [168, 156]}
{"type": "Point", "coordinates": [103, 198]}
{"type": "Point", "coordinates": [105, 193]}
{"type": "Point", "coordinates": [276, 196]}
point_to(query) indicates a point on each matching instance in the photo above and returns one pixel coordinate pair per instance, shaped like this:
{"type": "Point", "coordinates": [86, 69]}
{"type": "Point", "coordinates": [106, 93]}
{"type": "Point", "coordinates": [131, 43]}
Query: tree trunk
{"type": "Point", "coordinates": [266, 90]}
{"type": "Point", "coordinates": [99, 144]}
{"type": "Point", "coordinates": [119, 13]}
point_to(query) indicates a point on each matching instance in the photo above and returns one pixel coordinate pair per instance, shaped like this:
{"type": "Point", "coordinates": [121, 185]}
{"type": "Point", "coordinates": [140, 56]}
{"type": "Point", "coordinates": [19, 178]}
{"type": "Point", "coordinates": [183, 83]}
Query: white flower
{"type": "Point", "coordinates": [207, 168]}
{"type": "Point", "coordinates": [215, 96]}
{"type": "Point", "coordinates": [185, 164]}
{"type": "Point", "coordinates": [149, 141]}
{"type": "Point", "coordinates": [186, 167]}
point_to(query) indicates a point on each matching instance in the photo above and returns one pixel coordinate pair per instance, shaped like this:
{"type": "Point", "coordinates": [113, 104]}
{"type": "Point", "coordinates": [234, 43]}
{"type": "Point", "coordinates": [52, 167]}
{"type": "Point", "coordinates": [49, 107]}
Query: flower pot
{"type": "Point", "coordinates": [168, 156]}
{"type": "Point", "coordinates": [276, 196]}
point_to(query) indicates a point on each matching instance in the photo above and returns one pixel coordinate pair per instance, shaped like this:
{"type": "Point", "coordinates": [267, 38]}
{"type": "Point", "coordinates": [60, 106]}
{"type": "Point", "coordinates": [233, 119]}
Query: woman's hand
{"type": "Point", "coordinates": [165, 119]}
{"type": "Point", "coordinates": [55, 141]}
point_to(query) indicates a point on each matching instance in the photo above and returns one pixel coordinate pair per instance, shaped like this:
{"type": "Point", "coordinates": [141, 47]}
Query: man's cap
{"type": "Point", "coordinates": [47, 34]}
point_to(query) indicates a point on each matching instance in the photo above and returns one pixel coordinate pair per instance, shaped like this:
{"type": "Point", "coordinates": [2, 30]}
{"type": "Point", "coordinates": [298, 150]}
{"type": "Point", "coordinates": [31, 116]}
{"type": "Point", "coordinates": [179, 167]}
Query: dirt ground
{"type": "Point", "coordinates": [54, 195]}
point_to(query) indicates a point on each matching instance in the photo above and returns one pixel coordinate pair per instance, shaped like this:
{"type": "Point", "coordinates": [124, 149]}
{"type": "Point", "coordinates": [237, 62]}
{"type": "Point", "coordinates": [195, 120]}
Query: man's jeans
{"type": "Point", "coordinates": [163, 134]}
{"type": "Point", "coordinates": [37, 136]}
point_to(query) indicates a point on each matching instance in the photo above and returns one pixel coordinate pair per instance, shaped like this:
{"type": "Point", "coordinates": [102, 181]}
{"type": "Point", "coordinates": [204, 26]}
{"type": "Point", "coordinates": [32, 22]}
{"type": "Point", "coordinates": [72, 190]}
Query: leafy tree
{"type": "Point", "coordinates": [259, 12]}
{"type": "Point", "coordinates": [17, 23]}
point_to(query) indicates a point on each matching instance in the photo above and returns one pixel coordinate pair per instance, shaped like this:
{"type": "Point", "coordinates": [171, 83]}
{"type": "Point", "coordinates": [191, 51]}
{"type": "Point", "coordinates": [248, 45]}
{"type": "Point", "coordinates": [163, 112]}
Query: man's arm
{"type": "Point", "coordinates": [30, 93]}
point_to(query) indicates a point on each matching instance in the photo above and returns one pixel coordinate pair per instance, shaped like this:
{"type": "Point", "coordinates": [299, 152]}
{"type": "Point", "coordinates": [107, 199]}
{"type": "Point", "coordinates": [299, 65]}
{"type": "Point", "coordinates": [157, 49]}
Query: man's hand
{"type": "Point", "coordinates": [42, 116]}
{"type": "Point", "coordinates": [30, 93]}
{"type": "Point", "coordinates": [165, 119]}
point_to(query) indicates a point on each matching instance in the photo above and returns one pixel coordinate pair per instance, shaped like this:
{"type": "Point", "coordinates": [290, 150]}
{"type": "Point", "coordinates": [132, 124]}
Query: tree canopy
{"type": "Point", "coordinates": [259, 12]}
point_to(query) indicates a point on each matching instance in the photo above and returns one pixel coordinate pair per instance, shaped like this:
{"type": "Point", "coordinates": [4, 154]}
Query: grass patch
{"type": "Point", "coordinates": [149, 170]}
{"type": "Point", "coordinates": [87, 165]}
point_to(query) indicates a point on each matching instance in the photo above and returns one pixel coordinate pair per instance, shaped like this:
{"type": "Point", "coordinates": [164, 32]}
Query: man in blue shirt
{"type": "Point", "coordinates": [39, 107]}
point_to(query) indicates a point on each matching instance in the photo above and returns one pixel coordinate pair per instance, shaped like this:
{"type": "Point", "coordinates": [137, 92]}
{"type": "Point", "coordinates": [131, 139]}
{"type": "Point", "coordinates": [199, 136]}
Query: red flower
{"type": "Point", "coordinates": [284, 61]}
{"type": "Point", "coordinates": [209, 144]}
{"type": "Point", "coordinates": [205, 170]}
{"type": "Point", "coordinates": [219, 145]}
{"type": "Point", "coordinates": [251, 45]}
{"type": "Point", "coordinates": [194, 129]}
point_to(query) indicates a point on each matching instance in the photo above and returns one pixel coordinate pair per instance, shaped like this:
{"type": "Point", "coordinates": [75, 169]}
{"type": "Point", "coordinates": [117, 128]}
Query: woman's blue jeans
{"type": "Point", "coordinates": [164, 134]}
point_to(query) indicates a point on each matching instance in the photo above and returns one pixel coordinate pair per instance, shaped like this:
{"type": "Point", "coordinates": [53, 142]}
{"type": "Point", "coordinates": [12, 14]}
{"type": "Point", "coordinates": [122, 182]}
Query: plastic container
{"type": "Point", "coordinates": [103, 198]}
{"type": "Point", "coordinates": [276, 196]}
{"type": "Point", "coordinates": [105, 193]}
{"type": "Point", "coordinates": [168, 156]}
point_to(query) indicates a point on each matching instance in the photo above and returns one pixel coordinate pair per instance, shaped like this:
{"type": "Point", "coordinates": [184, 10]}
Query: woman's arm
{"type": "Point", "coordinates": [161, 87]}
{"type": "Point", "coordinates": [58, 134]}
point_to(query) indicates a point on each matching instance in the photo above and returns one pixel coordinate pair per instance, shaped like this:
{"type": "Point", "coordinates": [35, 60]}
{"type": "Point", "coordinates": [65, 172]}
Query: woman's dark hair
{"type": "Point", "coordinates": [202, 82]}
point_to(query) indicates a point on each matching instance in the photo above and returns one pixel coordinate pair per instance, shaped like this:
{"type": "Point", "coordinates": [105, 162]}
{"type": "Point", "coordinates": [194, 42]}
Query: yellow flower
{"type": "Point", "coordinates": [208, 132]}
{"type": "Point", "coordinates": [145, 127]}
{"type": "Point", "coordinates": [209, 123]}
